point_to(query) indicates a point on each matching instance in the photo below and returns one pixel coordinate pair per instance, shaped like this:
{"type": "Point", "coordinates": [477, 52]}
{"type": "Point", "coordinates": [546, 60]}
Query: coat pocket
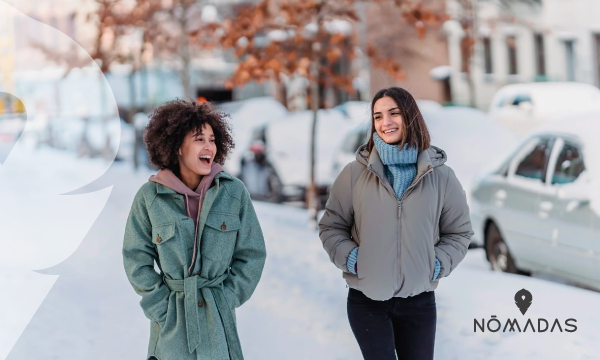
{"type": "Point", "coordinates": [163, 236]}
{"type": "Point", "coordinates": [219, 236]}
{"type": "Point", "coordinates": [162, 233]}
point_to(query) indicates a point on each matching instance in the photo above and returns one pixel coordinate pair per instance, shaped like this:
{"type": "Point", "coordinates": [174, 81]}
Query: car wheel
{"type": "Point", "coordinates": [498, 254]}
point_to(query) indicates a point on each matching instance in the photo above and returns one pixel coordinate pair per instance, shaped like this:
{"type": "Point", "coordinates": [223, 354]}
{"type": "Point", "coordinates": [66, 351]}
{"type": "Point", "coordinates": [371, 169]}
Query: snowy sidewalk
{"type": "Point", "coordinates": [299, 308]}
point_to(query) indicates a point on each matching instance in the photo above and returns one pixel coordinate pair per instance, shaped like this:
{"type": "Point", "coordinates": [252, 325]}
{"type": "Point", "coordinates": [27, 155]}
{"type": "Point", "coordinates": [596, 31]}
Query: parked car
{"type": "Point", "coordinates": [538, 210]}
{"type": "Point", "coordinates": [284, 149]}
{"type": "Point", "coordinates": [247, 115]}
{"type": "Point", "coordinates": [522, 107]}
{"type": "Point", "coordinates": [92, 136]}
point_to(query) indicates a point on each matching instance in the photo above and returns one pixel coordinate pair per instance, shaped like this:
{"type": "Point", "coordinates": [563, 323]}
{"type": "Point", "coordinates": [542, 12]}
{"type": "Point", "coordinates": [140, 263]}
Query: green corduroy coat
{"type": "Point", "coordinates": [193, 317]}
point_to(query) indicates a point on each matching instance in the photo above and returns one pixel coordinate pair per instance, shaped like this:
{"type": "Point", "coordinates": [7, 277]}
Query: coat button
{"type": "Point", "coordinates": [158, 239]}
{"type": "Point", "coordinates": [223, 227]}
{"type": "Point", "coordinates": [200, 303]}
{"type": "Point", "coordinates": [198, 273]}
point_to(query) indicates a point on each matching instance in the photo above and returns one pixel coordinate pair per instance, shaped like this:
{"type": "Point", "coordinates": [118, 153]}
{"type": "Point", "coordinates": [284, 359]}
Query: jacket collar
{"type": "Point", "coordinates": [162, 189]}
{"type": "Point", "coordinates": [430, 158]}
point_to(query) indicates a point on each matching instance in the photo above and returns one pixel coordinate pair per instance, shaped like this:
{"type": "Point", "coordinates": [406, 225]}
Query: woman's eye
{"type": "Point", "coordinates": [377, 118]}
{"type": "Point", "coordinates": [395, 113]}
{"type": "Point", "coordinates": [212, 141]}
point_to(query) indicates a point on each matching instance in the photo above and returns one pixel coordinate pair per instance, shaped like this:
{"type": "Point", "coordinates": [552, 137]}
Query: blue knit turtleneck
{"type": "Point", "coordinates": [400, 166]}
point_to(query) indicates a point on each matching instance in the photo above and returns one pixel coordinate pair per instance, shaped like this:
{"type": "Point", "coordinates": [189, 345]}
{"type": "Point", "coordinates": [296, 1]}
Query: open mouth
{"type": "Point", "coordinates": [390, 131]}
{"type": "Point", "coordinates": [205, 159]}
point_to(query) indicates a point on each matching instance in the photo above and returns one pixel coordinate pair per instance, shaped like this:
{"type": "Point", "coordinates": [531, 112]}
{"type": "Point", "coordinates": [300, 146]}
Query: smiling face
{"type": "Point", "coordinates": [388, 120]}
{"type": "Point", "coordinates": [197, 152]}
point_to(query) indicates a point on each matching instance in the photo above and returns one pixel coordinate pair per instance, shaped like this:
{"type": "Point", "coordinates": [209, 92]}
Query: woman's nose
{"type": "Point", "coordinates": [387, 120]}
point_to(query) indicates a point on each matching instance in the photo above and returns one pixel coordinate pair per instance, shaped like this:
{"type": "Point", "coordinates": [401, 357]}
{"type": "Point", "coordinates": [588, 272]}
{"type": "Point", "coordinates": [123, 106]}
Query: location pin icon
{"type": "Point", "coordinates": [523, 300]}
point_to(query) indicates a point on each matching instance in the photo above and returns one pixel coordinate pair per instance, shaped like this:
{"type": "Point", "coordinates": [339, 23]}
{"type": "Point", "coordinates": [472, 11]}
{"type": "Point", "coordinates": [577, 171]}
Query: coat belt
{"type": "Point", "coordinates": [215, 309]}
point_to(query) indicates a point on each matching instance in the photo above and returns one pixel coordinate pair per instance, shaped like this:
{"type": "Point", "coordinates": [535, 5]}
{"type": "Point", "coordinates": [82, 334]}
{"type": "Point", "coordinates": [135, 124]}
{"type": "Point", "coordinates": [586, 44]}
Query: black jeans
{"type": "Point", "coordinates": [405, 326]}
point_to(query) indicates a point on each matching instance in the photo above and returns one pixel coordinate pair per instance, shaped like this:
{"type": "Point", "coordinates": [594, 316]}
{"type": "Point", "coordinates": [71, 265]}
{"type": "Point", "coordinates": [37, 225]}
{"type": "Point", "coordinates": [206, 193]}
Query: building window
{"type": "Point", "coordinates": [511, 46]}
{"type": "Point", "coordinates": [570, 61]}
{"type": "Point", "coordinates": [487, 55]}
{"type": "Point", "coordinates": [540, 59]}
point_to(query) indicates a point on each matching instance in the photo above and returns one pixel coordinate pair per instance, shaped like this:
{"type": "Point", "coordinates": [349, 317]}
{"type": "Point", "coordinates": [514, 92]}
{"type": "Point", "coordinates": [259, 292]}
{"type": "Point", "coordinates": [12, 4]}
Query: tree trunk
{"type": "Point", "coordinates": [132, 111]}
{"type": "Point", "coordinates": [311, 194]}
{"type": "Point", "coordinates": [184, 50]}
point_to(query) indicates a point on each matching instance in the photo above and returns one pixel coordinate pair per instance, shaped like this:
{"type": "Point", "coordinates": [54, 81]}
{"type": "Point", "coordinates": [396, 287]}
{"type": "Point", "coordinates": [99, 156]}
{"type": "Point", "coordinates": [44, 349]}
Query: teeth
{"type": "Point", "coordinates": [389, 131]}
{"type": "Point", "coordinates": [207, 157]}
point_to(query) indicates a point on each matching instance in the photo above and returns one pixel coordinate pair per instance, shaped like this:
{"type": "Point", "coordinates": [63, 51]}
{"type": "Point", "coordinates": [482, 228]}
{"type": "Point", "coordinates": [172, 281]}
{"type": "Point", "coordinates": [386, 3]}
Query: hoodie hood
{"type": "Point", "coordinates": [192, 207]}
{"type": "Point", "coordinates": [436, 155]}
{"type": "Point", "coordinates": [167, 178]}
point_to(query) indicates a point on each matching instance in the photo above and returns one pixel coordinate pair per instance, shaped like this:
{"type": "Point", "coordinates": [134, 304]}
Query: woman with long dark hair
{"type": "Point", "coordinates": [198, 224]}
{"type": "Point", "coordinates": [396, 222]}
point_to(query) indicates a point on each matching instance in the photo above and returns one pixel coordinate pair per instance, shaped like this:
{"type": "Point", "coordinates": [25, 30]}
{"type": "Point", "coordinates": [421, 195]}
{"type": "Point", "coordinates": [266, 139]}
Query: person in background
{"type": "Point", "coordinates": [198, 224]}
{"type": "Point", "coordinates": [395, 223]}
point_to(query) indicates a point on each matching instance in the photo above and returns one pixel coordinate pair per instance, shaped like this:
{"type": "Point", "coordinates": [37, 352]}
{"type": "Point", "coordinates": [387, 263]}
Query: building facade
{"type": "Point", "coordinates": [521, 42]}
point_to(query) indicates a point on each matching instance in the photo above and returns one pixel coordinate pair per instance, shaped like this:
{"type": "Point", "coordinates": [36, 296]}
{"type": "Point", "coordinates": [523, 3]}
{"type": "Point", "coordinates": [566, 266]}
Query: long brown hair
{"type": "Point", "coordinates": [414, 129]}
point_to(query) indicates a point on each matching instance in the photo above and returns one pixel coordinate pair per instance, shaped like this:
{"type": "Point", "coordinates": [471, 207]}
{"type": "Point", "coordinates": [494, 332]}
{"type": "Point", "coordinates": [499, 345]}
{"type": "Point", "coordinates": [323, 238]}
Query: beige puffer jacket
{"type": "Point", "coordinates": [398, 239]}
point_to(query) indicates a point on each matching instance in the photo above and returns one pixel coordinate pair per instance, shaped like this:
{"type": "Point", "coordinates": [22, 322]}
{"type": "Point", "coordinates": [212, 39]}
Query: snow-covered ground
{"type": "Point", "coordinates": [298, 310]}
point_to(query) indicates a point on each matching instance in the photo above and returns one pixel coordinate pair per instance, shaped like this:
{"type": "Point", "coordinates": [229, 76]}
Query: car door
{"type": "Point", "coordinates": [564, 214]}
{"type": "Point", "coordinates": [514, 201]}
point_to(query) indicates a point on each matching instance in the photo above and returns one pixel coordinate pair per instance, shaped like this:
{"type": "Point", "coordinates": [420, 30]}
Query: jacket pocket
{"type": "Point", "coordinates": [432, 266]}
{"type": "Point", "coordinates": [219, 236]}
{"type": "Point", "coordinates": [163, 233]}
{"type": "Point", "coordinates": [163, 236]}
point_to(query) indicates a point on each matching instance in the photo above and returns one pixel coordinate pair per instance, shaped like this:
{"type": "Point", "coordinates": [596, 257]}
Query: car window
{"type": "Point", "coordinates": [521, 98]}
{"type": "Point", "coordinates": [533, 165]}
{"type": "Point", "coordinates": [569, 164]}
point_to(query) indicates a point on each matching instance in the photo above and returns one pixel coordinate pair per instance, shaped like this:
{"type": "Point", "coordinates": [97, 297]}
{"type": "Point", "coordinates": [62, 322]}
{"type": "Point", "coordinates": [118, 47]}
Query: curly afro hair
{"type": "Point", "coordinates": [171, 122]}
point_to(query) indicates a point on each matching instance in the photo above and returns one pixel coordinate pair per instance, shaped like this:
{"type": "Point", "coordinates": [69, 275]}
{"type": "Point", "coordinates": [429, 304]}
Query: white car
{"type": "Point", "coordinates": [286, 147]}
{"type": "Point", "coordinates": [522, 107]}
{"type": "Point", "coordinates": [538, 210]}
{"type": "Point", "coordinates": [246, 115]}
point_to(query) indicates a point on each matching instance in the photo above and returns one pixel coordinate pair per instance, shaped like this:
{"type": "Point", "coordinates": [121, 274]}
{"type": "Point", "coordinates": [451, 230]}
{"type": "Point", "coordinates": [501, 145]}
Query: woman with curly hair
{"type": "Point", "coordinates": [198, 224]}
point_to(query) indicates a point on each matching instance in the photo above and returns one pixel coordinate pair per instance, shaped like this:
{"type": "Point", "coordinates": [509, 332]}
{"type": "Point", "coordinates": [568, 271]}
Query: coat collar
{"type": "Point", "coordinates": [161, 189]}
{"type": "Point", "coordinates": [374, 163]}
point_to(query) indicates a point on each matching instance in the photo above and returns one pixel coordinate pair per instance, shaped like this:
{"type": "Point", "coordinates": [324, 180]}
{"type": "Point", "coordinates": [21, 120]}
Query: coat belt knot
{"type": "Point", "coordinates": [215, 309]}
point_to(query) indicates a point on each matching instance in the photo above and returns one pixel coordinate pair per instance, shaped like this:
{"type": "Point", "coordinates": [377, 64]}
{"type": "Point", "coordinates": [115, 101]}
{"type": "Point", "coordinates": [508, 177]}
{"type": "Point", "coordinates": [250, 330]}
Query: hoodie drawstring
{"type": "Point", "coordinates": [196, 231]}
{"type": "Point", "coordinates": [187, 210]}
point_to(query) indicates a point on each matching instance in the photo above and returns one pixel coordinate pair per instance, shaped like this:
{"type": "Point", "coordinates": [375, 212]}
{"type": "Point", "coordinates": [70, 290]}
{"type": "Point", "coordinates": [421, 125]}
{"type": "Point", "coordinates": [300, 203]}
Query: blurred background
{"type": "Point", "coordinates": [508, 89]}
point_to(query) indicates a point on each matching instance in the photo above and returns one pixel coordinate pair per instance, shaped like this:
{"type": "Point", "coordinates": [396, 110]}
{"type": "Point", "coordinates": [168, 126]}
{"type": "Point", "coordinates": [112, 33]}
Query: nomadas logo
{"type": "Point", "coordinates": [523, 300]}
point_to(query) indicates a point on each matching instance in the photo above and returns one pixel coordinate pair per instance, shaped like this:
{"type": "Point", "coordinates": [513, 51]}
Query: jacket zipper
{"type": "Point", "coordinates": [404, 195]}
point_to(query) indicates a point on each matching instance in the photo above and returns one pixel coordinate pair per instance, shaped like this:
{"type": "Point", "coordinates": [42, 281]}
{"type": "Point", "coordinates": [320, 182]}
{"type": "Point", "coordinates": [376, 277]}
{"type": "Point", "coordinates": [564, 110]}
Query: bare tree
{"type": "Point", "coordinates": [311, 39]}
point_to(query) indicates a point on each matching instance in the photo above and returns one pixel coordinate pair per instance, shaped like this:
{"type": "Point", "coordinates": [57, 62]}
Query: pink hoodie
{"type": "Point", "coordinates": [167, 178]}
